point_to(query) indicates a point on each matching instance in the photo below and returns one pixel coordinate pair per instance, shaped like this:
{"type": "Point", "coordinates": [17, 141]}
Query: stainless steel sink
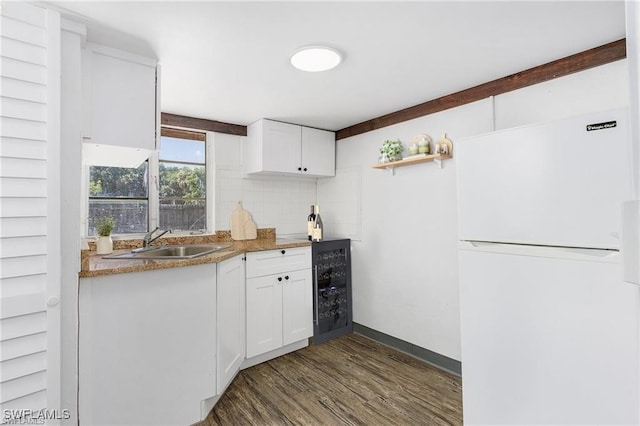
{"type": "Point", "coordinates": [170, 252]}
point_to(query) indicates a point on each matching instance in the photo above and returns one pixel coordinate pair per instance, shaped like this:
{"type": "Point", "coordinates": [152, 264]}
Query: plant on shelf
{"type": "Point", "coordinates": [104, 225]}
{"type": "Point", "coordinates": [391, 151]}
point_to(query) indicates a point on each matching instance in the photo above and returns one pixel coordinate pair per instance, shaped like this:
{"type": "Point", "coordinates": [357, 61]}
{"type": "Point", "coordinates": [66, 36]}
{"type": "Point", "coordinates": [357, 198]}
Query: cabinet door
{"type": "Point", "coordinates": [264, 314]}
{"type": "Point", "coordinates": [230, 320]}
{"type": "Point", "coordinates": [318, 152]}
{"type": "Point", "coordinates": [281, 147]}
{"type": "Point", "coordinates": [297, 306]}
{"type": "Point", "coordinates": [121, 98]}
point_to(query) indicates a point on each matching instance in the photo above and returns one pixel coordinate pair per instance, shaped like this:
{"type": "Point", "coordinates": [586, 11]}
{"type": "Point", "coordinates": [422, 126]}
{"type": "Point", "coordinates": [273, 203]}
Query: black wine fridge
{"type": "Point", "coordinates": [331, 289]}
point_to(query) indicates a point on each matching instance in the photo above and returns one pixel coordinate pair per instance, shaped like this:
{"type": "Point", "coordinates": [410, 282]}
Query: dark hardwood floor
{"type": "Point", "coordinates": [347, 381]}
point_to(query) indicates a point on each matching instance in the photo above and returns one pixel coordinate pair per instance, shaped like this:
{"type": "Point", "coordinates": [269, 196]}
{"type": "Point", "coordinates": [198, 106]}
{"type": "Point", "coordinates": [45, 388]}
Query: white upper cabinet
{"type": "Point", "coordinates": [120, 98]}
{"type": "Point", "coordinates": [279, 148]}
{"type": "Point", "coordinates": [318, 152]}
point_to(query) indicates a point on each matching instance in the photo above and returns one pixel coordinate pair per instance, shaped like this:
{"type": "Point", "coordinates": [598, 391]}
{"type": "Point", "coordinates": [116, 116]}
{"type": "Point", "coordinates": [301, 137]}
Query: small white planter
{"type": "Point", "coordinates": [104, 245]}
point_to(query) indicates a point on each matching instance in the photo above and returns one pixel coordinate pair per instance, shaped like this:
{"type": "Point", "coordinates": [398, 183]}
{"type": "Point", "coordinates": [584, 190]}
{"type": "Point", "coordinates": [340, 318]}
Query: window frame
{"type": "Point", "coordinates": [187, 135]}
{"type": "Point", "coordinates": [153, 170]}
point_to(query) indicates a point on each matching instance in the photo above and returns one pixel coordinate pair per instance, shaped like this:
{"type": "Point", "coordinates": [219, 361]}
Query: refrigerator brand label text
{"type": "Point", "coordinates": [600, 126]}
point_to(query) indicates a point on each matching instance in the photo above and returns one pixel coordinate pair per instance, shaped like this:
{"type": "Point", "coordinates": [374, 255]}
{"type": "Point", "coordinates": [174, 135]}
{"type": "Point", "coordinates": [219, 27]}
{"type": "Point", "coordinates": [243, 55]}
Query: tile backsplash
{"type": "Point", "coordinates": [273, 201]}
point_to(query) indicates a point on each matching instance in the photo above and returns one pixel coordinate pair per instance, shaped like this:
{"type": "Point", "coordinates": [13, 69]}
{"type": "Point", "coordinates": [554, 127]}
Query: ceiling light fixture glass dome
{"type": "Point", "coordinates": [315, 58]}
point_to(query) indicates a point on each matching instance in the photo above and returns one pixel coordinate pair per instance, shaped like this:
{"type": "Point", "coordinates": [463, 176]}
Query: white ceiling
{"type": "Point", "coordinates": [229, 61]}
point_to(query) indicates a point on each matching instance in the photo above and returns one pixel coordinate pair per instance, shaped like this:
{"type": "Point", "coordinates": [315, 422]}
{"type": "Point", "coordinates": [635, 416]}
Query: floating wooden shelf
{"type": "Point", "coordinates": [437, 158]}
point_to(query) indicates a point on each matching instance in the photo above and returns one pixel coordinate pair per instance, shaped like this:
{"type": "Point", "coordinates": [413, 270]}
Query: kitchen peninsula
{"type": "Point", "coordinates": [158, 305]}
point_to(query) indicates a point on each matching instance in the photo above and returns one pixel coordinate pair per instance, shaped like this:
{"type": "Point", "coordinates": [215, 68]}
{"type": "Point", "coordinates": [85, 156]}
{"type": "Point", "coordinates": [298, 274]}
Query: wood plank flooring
{"type": "Point", "coordinates": [347, 381]}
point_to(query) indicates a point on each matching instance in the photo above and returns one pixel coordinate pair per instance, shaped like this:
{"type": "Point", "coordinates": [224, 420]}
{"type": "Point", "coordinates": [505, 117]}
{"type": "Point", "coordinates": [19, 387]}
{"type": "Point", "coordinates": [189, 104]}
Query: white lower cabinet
{"type": "Point", "coordinates": [279, 305]}
{"type": "Point", "coordinates": [147, 346]}
{"type": "Point", "coordinates": [230, 320]}
{"type": "Point", "coordinates": [264, 314]}
{"type": "Point", "coordinates": [297, 306]}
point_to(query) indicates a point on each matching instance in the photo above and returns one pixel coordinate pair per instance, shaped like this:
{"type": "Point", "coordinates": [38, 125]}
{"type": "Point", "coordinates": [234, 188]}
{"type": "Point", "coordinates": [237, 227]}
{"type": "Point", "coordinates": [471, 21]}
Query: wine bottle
{"type": "Point", "coordinates": [311, 219]}
{"type": "Point", "coordinates": [317, 226]}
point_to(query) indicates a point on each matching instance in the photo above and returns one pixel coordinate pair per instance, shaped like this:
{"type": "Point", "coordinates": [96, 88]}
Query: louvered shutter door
{"type": "Point", "coordinates": [29, 210]}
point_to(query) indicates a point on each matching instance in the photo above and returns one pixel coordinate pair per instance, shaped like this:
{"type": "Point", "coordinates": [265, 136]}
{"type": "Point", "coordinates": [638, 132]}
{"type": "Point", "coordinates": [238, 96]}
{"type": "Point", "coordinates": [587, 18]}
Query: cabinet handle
{"type": "Point", "coordinates": [315, 293]}
{"type": "Point", "coordinates": [286, 277]}
{"type": "Point", "coordinates": [305, 169]}
{"type": "Point", "coordinates": [279, 278]}
{"type": "Point", "coordinates": [283, 252]}
{"type": "Point", "coordinates": [299, 169]}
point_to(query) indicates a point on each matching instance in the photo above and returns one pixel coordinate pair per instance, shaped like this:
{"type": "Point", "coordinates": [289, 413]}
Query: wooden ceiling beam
{"type": "Point", "coordinates": [202, 124]}
{"type": "Point", "coordinates": [591, 58]}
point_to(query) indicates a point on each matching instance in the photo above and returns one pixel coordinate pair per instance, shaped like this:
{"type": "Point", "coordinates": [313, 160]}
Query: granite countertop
{"type": "Point", "coordinates": [93, 265]}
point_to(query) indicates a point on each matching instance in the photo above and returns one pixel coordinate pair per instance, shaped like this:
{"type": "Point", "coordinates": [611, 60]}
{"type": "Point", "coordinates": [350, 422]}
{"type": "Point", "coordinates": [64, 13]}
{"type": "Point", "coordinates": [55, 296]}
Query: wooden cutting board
{"type": "Point", "coordinates": [242, 225]}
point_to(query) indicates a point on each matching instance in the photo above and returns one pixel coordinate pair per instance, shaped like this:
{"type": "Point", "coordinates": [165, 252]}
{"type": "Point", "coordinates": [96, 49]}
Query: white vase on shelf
{"type": "Point", "coordinates": [104, 245]}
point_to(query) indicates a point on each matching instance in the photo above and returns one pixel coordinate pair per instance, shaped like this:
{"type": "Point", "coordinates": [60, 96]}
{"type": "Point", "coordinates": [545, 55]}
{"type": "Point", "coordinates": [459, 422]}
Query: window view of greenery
{"type": "Point", "coordinates": [123, 193]}
{"type": "Point", "coordinates": [120, 193]}
{"type": "Point", "coordinates": [182, 184]}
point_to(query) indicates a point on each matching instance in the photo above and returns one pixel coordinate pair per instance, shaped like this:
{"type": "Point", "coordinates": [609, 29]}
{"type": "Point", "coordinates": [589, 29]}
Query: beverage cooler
{"type": "Point", "coordinates": [331, 289]}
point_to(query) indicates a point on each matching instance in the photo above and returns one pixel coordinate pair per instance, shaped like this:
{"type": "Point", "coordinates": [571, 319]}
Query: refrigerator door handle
{"type": "Point", "coordinates": [575, 253]}
{"type": "Point", "coordinates": [315, 294]}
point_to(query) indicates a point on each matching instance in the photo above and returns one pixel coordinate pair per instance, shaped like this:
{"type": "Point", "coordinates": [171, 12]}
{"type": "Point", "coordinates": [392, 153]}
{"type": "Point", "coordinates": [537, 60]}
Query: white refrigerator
{"type": "Point", "coordinates": [549, 326]}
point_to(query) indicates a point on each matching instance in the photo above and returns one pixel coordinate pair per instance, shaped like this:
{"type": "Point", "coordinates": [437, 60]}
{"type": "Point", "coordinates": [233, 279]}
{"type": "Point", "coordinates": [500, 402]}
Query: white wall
{"type": "Point", "coordinates": [405, 280]}
{"type": "Point", "coordinates": [274, 202]}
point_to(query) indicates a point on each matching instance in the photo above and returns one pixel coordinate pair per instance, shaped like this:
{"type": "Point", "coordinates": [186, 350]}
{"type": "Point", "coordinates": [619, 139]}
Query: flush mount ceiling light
{"type": "Point", "coordinates": [315, 58]}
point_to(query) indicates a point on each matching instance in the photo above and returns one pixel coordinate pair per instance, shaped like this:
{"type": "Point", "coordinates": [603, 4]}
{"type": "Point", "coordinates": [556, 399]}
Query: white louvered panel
{"type": "Point", "coordinates": [23, 386]}
{"type": "Point", "coordinates": [26, 110]}
{"type": "Point", "coordinates": [23, 207]}
{"type": "Point", "coordinates": [16, 128]}
{"type": "Point", "coordinates": [22, 326]}
{"type": "Point", "coordinates": [19, 266]}
{"type": "Point", "coordinates": [23, 246]}
{"type": "Point", "coordinates": [34, 401]}
{"type": "Point", "coordinates": [22, 305]}
{"type": "Point", "coordinates": [29, 132]}
{"type": "Point", "coordinates": [25, 52]}
{"type": "Point", "coordinates": [21, 346]}
{"type": "Point", "coordinates": [12, 88]}
{"type": "Point", "coordinates": [22, 168]}
{"type": "Point", "coordinates": [23, 148]}
{"type": "Point", "coordinates": [17, 187]}
{"type": "Point", "coordinates": [24, 71]}
{"type": "Point", "coordinates": [23, 226]}
{"type": "Point", "coordinates": [27, 284]}
{"type": "Point", "coordinates": [25, 13]}
{"type": "Point", "coordinates": [23, 366]}
{"type": "Point", "coordinates": [22, 31]}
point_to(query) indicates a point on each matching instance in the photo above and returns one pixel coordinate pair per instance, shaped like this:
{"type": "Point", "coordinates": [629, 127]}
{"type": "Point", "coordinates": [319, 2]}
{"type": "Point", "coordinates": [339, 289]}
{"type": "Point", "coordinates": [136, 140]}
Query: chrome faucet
{"type": "Point", "coordinates": [148, 237]}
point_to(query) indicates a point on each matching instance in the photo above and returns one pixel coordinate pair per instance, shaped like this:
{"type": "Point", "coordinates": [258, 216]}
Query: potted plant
{"type": "Point", "coordinates": [104, 226]}
{"type": "Point", "coordinates": [391, 151]}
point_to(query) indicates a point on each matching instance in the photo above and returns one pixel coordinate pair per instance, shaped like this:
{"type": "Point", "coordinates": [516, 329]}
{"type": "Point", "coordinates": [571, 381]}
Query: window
{"type": "Point", "coordinates": [121, 193]}
{"type": "Point", "coordinates": [169, 190]}
{"type": "Point", "coordinates": [182, 176]}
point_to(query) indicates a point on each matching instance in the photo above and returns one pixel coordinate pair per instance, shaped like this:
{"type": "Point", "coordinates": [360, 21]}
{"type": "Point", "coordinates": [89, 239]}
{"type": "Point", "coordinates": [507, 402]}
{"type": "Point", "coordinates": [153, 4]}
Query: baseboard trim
{"type": "Point", "coordinates": [442, 362]}
{"type": "Point", "coordinates": [258, 359]}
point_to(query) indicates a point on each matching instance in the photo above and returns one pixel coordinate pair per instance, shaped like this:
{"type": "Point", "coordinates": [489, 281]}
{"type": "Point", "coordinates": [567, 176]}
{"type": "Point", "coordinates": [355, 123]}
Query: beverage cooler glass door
{"type": "Point", "coordinates": [332, 289]}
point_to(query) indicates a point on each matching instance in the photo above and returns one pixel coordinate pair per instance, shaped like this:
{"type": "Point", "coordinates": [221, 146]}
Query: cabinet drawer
{"type": "Point", "coordinates": [276, 261]}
